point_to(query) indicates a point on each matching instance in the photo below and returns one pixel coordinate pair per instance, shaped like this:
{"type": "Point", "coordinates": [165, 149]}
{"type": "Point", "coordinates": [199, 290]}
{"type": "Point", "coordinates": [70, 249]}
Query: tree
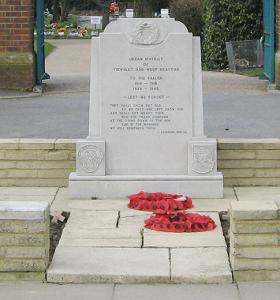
{"type": "Point", "coordinates": [56, 11]}
{"type": "Point", "coordinates": [60, 8]}
{"type": "Point", "coordinates": [156, 5]}
{"type": "Point", "coordinates": [188, 12]}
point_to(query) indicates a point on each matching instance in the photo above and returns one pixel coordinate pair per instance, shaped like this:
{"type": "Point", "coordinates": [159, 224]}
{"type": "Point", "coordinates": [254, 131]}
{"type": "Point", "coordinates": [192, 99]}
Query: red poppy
{"type": "Point", "coordinates": [162, 207]}
{"type": "Point", "coordinates": [188, 203]}
{"type": "Point", "coordinates": [180, 222]}
{"type": "Point", "coordinates": [172, 202]}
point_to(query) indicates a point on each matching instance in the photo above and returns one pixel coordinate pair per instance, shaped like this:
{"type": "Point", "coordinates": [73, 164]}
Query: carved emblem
{"type": "Point", "coordinates": [203, 159]}
{"type": "Point", "coordinates": [146, 33]}
{"type": "Point", "coordinates": [90, 158]}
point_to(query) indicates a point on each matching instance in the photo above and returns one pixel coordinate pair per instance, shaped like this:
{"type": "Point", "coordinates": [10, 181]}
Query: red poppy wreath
{"type": "Point", "coordinates": [160, 203]}
{"type": "Point", "coordinates": [167, 216]}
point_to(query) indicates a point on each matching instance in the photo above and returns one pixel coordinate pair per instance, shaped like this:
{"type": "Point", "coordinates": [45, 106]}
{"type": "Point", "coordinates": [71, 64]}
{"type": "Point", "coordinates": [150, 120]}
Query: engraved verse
{"type": "Point", "coordinates": [147, 103]}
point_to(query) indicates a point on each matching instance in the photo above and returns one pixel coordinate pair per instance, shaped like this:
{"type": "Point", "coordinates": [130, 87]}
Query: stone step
{"type": "Point", "coordinates": [139, 265]}
{"type": "Point", "coordinates": [104, 265]}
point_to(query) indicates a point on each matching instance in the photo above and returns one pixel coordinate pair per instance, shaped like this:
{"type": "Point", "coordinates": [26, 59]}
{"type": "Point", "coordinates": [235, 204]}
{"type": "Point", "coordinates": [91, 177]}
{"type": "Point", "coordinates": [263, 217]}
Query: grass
{"type": "Point", "coordinates": [251, 72]}
{"type": "Point", "coordinates": [48, 48]}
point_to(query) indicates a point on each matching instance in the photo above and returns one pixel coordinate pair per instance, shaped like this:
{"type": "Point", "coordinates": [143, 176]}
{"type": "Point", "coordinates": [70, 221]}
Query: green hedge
{"type": "Point", "coordinates": [228, 20]}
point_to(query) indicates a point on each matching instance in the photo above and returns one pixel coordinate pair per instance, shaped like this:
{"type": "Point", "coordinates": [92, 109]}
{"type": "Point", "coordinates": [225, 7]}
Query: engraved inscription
{"type": "Point", "coordinates": [143, 116]}
{"type": "Point", "coordinates": [146, 33]}
{"type": "Point", "coordinates": [203, 159]}
{"type": "Point", "coordinates": [90, 158]}
{"type": "Point", "coordinates": [146, 104]}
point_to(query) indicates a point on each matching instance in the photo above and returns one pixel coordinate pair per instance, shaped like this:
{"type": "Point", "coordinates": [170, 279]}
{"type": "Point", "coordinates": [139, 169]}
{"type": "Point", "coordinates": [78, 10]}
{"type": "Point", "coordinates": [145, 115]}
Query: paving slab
{"type": "Point", "coordinates": [215, 205]}
{"type": "Point", "coordinates": [184, 240]}
{"type": "Point", "coordinates": [43, 291]}
{"type": "Point", "coordinates": [178, 292]}
{"type": "Point", "coordinates": [29, 191]}
{"type": "Point", "coordinates": [259, 290]}
{"type": "Point", "coordinates": [100, 233]}
{"type": "Point", "coordinates": [229, 194]}
{"type": "Point", "coordinates": [133, 221]}
{"type": "Point", "coordinates": [128, 212]}
{"type": "Point", "coordinates": [98, 204]}
{"type": "Point", "coordinates": [213, 238]}
{"type": "Point", "coordinates": [200, 265]}
{"type": "Point", "coordinates": [102, 242]}
{"type": "Point", "coordinates": [114, 265]}
{"type": "Point", "coordinates": [93, 219]}
{"type": "Point", "coordinates": [61, 201]}
{"type": "Point", "coordinates": [257, 193]}
{"type": "Point", "coordinates": [36, 198]}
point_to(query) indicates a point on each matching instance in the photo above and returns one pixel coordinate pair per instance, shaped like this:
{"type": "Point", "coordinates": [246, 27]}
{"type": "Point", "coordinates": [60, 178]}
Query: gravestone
{"type": "Point", "coordinates": [146, 115]}
{"type": "Point", "coordinates": [129, 13]}
{"type": "Point", "coordinates": [90, 22]}
{"type": "Point", "coordinates": [164, 13]}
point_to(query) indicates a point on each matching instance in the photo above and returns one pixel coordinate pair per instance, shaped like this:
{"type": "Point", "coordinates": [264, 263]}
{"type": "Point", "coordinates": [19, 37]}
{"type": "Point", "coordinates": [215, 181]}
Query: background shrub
{"type": "Point", "coordinates": [188, 12]}
{"type": "Point", "coordinates": [228, 20]}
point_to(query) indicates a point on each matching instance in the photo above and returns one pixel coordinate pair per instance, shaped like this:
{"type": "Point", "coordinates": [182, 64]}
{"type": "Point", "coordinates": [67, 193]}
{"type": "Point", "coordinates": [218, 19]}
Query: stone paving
{"type": "Point", "coordinates": [43, 291]}
{"type": "Point", "coordinates": [104, 241]}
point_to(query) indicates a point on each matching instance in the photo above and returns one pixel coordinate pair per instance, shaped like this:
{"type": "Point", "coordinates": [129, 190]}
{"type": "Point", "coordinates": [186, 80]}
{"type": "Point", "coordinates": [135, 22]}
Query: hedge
{"type": "Point", "coordinates": [228, 20]}
{"type": "Point", "coordinates": [188, 12]}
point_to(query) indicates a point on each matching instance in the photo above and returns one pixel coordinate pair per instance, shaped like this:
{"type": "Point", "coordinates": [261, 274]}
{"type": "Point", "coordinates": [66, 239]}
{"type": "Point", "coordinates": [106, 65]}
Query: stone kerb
{"type": "Point", "coordinates": [24, 240]}
{"type": "Point", "coordinates": [254, 240]}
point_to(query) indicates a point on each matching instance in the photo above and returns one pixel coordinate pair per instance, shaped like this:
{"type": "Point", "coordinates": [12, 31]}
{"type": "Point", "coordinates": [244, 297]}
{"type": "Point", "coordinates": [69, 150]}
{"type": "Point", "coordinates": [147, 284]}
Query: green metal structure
{"type": "Point", "coordinates": [40, 41]}
{"type": "Point", "coordinates": [269, 39]}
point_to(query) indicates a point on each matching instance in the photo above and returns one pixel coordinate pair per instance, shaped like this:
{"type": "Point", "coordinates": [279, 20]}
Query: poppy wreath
{"type": "Point", "coordinates": [167, 216]}
{"type": "Point", "coordinates": [159, 203]}
{"type": "Point", "coordinates": [180, 222]}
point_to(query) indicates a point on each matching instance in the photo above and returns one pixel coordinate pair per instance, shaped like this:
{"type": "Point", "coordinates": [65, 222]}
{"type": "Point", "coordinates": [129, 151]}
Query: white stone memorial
{"type": "Point", "coordinates": [146, 115]}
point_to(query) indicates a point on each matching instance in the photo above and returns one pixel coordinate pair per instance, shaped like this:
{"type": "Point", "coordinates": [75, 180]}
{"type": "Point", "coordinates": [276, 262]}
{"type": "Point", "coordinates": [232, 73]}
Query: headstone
{"type": "Point", "coordinates": [146, 115]}
{"type": "Point", "coordinates": [84, 21]}
{"type": "Point", "coordinates": [92, 22]}
{"type": "Point", "coordinates": [164, 13]}
{"type": "Point", "coordinates": [129, 13]}
{"type": "Point", "coordinates": [96, 20]}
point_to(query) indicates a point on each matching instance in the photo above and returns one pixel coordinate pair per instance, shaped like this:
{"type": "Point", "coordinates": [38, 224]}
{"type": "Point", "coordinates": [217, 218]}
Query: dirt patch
{"type": "Point", "coordinates": [56, 229]}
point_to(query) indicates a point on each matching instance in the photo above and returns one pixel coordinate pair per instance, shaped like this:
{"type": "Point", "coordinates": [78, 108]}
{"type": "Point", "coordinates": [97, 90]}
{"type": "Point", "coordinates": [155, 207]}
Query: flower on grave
{"type": "Point", "coordinates": [62, 29]}
{"type": "Point", "coordinates": [160, 203]}
{"type": "Point", "coordinates": [180, 222]}
{"type": "Point", "coordinates": [82, 31]}
{"type": "Point", "coordinates": [167, 216]}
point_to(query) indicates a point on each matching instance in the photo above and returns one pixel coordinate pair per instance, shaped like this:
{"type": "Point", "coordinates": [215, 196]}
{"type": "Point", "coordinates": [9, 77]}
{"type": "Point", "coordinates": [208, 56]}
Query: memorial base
{"type": "Point", "coordinates": [121, 186]}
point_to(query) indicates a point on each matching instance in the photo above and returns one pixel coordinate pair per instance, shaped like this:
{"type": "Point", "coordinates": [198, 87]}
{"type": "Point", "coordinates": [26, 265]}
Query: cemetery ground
{"type": "Point", "coordinates": [234, 106]}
